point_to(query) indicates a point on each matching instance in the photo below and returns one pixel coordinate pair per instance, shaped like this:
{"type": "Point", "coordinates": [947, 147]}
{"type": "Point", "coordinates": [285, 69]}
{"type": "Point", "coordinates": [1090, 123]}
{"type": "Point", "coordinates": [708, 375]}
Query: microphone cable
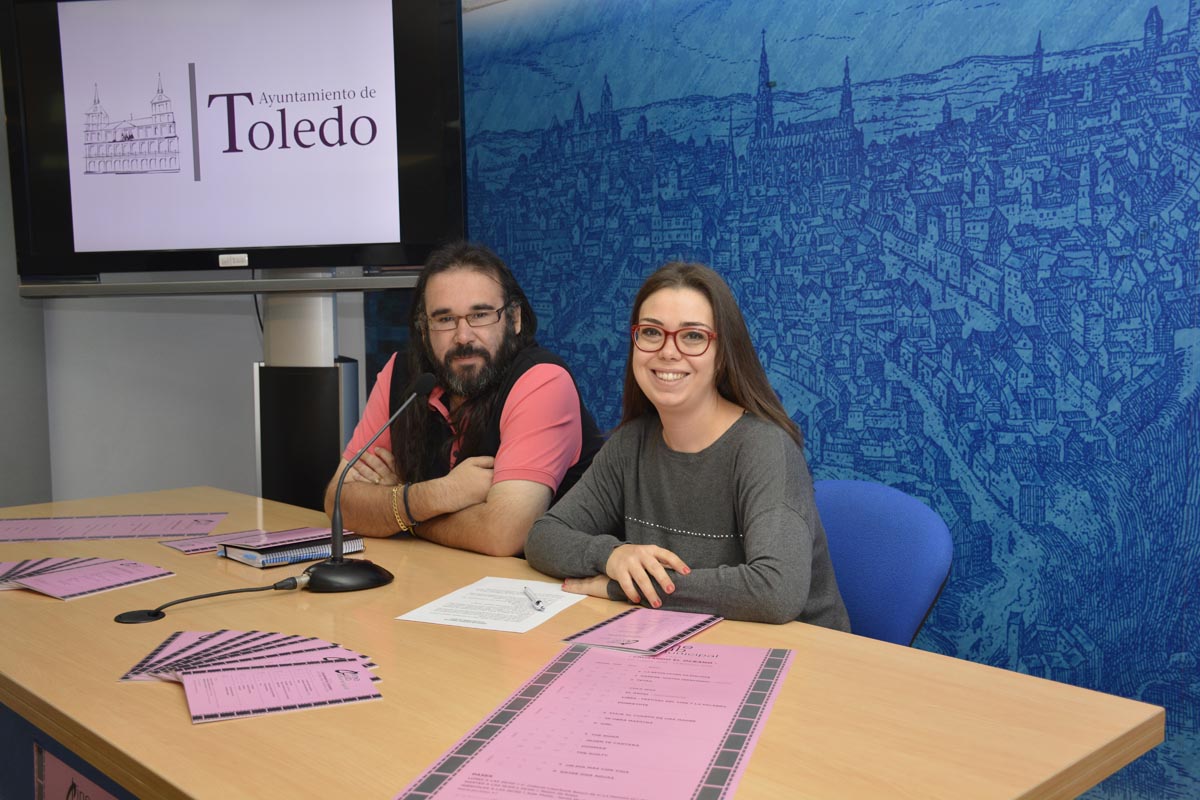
{"type": "Point", "coordinates": [150, 615]}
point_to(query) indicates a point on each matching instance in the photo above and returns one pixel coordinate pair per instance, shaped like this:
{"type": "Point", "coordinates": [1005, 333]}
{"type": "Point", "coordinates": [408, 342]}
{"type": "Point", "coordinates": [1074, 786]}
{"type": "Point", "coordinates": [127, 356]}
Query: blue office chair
{"type": "Point", "coordinates": [891, 555]}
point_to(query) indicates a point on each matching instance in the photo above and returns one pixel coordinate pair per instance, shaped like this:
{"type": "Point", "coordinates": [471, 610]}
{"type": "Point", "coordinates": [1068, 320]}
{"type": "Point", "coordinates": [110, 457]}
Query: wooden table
{"type": "Point", "coordinates": [854, 718]}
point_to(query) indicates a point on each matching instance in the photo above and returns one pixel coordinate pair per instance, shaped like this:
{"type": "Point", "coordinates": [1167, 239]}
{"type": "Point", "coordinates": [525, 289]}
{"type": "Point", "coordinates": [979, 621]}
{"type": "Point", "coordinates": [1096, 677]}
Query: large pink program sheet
{"type": "Point", "coordinates": [129, 526]}
{"type": "Point", "coordinates": [598, 723]}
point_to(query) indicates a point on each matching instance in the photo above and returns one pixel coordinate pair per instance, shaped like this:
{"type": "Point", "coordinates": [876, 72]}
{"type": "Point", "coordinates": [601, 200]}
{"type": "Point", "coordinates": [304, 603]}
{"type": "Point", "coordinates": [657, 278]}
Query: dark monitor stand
{"type": "Point", "coordinates": [303, 414]}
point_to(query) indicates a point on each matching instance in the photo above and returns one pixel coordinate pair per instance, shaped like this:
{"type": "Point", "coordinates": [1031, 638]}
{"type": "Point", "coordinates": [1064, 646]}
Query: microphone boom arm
{"type": "Point", "coordinates": [337, 573]}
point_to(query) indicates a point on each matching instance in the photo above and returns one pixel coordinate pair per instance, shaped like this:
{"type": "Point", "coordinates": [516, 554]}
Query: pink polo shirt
{"type": "Point", "coordinates": [541, 434]}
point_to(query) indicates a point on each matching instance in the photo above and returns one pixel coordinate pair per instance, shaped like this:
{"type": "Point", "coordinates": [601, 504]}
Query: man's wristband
{"type": "Point", "coordinates": [412, 521]}
{"type": "Point", "coordinates": [404, 526]}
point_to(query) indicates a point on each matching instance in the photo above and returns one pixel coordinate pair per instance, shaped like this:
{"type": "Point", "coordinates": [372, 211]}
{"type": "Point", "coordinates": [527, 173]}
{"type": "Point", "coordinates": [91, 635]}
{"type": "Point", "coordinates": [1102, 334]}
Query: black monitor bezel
{"type": "Point", "coordinates": [431, 156]}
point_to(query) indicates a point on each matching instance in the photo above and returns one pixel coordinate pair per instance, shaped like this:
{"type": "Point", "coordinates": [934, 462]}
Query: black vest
{"type": "Point", "coordinates": [439, 434]}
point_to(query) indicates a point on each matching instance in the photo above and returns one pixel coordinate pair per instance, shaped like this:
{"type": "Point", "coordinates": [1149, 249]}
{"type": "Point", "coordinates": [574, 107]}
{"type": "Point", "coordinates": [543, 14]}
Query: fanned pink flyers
{"type": "Point", "coordinates": [12, 571]}
{"type": "Point", "coordinates": [603, 724]}
{"type": "Point", "coordinates": [644, 630]}
{"type": "Point", "coordinates": [216, 694]}
{"type": "Point", "coordinates": [69, 578]}
{"type": "Point", "coordinates": [228, 674]}
{"type": "Point", "coordinates": [128, 526]}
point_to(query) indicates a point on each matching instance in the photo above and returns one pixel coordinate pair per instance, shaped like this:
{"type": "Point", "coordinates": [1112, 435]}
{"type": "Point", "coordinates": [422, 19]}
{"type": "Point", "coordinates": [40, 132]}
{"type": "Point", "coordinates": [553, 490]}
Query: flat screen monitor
{"type": "Point", "coordinates": [181, 135]}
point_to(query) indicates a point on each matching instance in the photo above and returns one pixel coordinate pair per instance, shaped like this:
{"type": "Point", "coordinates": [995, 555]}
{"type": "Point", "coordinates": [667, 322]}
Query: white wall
{"type": "Point", "coordinates": [24, 434]}
{"type": "Point", "coordinates": [158, 392]}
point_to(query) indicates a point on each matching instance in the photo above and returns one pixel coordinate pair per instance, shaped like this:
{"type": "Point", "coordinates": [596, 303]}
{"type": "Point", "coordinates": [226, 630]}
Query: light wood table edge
{"type": "Point", "coordinates": [97, 751]}
{"type": "Point", "coordinates": [1108, 760]}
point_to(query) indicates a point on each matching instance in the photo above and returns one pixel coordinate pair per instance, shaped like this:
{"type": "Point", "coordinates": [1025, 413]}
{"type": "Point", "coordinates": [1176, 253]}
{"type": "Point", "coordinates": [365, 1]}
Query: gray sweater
{"type": "Point", "coordinates": [740, 514]}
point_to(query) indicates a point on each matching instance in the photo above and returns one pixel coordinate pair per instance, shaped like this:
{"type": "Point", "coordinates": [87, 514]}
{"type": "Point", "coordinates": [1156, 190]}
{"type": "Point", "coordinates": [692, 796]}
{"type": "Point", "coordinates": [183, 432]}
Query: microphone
{"type": "Point", "coordinates": [339, 574]}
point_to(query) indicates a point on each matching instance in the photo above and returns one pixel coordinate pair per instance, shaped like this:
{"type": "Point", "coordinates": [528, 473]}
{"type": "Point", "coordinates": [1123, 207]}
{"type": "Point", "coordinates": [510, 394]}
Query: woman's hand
{"type": "Point", "coordinates": [633, 566]}
{"type": "Point", "coordinates": [596, 586]}
{"type": "Point", "coordinates": [378, 468]}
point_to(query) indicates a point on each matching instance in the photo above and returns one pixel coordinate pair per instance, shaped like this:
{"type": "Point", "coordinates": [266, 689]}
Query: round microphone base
{"type": "Point", "coordinates": [346, 575]}
{"type": "Point", "coordinates": [134, 617]}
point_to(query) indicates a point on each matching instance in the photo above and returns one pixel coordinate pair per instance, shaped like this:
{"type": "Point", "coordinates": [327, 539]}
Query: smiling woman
{"type": "Point", "coordinates": [701, 500]}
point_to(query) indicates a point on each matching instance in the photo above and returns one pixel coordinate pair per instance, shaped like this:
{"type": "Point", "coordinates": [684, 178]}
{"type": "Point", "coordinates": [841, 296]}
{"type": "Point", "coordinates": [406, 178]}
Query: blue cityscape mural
{"type": "Point", "coordinates": [966, 236]}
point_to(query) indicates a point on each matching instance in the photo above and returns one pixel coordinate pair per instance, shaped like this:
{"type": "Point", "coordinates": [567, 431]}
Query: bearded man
{"type": "Point", "coordinates": [503, 434]}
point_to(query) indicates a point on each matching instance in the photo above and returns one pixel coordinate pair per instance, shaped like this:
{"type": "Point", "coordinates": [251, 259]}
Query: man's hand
{"type": "Point", "coordinates": [633, 566]}
{"type": "Point", "coordinates": [378, 467]}
{"type": "Point", "coordinates": [470, 481]}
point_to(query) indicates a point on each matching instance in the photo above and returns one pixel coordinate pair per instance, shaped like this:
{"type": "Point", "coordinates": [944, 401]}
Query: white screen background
{"type": "Point", "coordinates": [295, 196]}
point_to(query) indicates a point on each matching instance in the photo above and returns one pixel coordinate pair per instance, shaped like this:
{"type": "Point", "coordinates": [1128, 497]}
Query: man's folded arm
{"type": "Point", "coordinates": [371, 509]}
{"type": "Point", "coordinates": [496, 527]}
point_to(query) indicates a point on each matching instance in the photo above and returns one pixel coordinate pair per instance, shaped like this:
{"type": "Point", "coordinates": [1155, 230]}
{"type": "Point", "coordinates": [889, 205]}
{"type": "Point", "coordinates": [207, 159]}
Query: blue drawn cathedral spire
{"type": "Point", "coordinates": [577, 114]}
{"type": "Point", "coordinates": [846, 114]}
{"type": "Point", "coordinates": [733, 176]}
{"type": "Point", "coordinates": [764, 105]}
{"type": "Point", "coordinates": [1039, 57]}
{"type": "Point", "coordinates": [1152, 33]}
{"type": "Point", "coordinates": [1193, 24]}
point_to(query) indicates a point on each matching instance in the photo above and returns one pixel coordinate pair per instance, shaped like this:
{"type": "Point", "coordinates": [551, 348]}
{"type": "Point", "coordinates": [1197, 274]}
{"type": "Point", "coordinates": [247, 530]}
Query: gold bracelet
{"type": "Point", "coordinates": [396, 509]}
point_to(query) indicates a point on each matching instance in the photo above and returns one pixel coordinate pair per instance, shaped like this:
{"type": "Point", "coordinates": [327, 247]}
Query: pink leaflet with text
{"type": "Point", "coordinates": [602, 724]}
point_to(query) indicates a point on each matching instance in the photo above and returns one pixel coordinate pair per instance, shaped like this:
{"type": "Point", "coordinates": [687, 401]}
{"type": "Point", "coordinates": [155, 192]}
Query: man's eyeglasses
{"type": "Point", "coordinates": [689, 341]}
{"type": "Point", "coordinates": [476, 319]}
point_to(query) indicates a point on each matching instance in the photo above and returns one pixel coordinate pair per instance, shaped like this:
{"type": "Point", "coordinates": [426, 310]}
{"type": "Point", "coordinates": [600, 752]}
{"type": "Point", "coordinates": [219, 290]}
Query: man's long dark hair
{"type": "Point", "coordinates": [414, 444]}
{"type": "Point", "coordinates": [740, 376]}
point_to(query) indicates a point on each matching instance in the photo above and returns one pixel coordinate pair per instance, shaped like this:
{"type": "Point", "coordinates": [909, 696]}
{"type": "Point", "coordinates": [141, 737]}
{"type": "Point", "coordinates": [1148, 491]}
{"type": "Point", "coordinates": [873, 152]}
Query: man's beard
{"type": "Point", "coordinates": [476, 382]}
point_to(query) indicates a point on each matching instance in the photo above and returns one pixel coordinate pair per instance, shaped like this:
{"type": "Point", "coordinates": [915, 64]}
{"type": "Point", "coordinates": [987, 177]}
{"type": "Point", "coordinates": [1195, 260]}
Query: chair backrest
{"type": "Point", "coordinates": [890, 552]}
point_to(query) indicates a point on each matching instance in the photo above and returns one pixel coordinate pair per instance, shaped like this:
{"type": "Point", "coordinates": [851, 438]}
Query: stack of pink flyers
{"type": "Point", "coordinates": [69, 578]}
{"type": "Point", "coordinates": [210, 544]}
{"type": "Point", "coordinates": [254, 538]}
{"type": "Point", "coordinates": [229, 674]}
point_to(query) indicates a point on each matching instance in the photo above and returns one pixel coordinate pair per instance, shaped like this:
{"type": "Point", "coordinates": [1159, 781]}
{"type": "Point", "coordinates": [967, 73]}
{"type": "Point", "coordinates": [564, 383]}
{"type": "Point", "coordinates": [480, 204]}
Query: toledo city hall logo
{"type": "Point", "coordinates": [284, 132]}
{"type": "Point", "coordinates": [134, 145]}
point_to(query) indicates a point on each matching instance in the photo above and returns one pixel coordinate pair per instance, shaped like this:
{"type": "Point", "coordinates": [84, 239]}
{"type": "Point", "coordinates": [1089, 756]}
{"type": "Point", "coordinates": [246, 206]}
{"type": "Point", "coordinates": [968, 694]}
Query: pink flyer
{"type": "Point", "coordinates": [290, 536]}
{"type": "Point", "coordinates": [68, 584]}
{"type": "Point", "coordinates": [602, 724]}
{"type": "Point", "coordinates": [209, 544]}
{"type": "Point", "coordinates": [227, 694]}
{"type": "Point", "coordinates": [137, 526]}
{"type": "Point", "coordinates": [53, 779]}
{"type": "Point", "coordinates": [644, 630]}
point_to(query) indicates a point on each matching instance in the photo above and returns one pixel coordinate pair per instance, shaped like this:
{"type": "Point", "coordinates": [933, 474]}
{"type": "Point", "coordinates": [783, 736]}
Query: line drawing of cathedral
{"type": "Point", "coordinates": [816, 150]}
{"type": "Point", "coordinates": [131, 146]}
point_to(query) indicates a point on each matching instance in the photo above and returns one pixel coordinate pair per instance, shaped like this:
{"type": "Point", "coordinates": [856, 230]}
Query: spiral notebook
{"type": "Point", "coordinates": [279, 553]}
